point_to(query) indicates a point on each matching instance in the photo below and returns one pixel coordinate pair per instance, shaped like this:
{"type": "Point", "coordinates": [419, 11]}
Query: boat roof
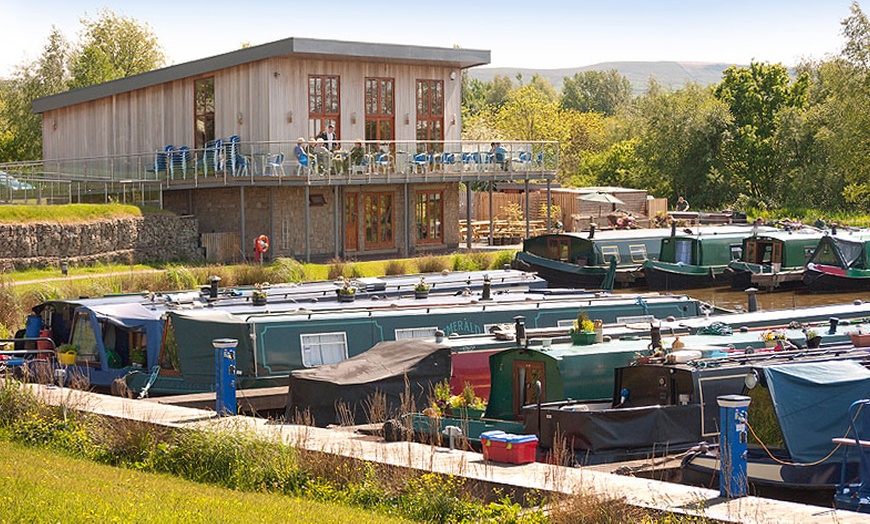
{"type": "Point", "coordinates": [627, 234]}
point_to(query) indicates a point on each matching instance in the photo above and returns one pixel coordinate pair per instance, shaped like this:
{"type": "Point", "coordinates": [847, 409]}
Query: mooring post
{"type": "Point", "coordinates": [753, 299]}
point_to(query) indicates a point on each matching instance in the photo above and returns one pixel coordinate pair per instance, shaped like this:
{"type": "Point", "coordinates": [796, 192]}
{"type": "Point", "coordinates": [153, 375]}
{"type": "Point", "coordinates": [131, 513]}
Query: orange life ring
{"type": "Point", "coordinates": [261, 245]}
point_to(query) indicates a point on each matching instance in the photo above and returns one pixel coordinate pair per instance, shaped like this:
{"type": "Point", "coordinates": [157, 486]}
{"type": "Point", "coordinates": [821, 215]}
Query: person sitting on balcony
{"type": "Point", "coordinates": [499, 155]}
{"type": "Point", "coordinates": [357, 154]}
{"type": "Point", "coordinates": [323, 156]}
{"type": "Point", "coordinates": [301, 153]}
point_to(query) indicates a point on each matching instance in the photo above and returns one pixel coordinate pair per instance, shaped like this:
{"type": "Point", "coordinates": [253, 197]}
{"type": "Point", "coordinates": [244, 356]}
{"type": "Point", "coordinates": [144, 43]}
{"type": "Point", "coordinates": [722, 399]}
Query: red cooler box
{"type": "Point", "coordinates": [499, 446]}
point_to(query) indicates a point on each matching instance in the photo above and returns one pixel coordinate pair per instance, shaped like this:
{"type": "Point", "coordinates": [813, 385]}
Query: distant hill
{"type": "Point", "coordinates": [672, 75]}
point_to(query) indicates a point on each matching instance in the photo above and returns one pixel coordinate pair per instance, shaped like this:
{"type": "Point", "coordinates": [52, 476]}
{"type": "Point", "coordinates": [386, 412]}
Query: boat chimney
{"type": "Point", "coordinates": [833, 321]}
{"type": "Point", "coordinates": [439, 336]}
{"type": "Point", "coordinates": [520, 329]}
{"type": "Point", "coordinates": [591, 229]}
{"type": "Point", "coordinates": [487, 287]}
{"type": "Point", "coordinates": [753, 300]}
{"type": "Point", "coordinates": [213, 283]}
{"type": "Point", "coordinates": [674, 228]}
{"type": "Point", "coordinates": [834, 229]}
{"type": "Point", "coordinates": [655, 333]}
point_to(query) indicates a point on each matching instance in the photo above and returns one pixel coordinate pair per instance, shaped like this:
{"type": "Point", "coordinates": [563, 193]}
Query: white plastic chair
{"type": "Point", "coordinates": [276, 166]}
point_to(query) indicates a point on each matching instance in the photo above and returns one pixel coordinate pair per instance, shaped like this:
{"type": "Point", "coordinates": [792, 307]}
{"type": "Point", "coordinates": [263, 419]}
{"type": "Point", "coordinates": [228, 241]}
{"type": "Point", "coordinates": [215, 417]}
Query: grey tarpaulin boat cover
{"type": "Point", "coordinates": [354, 382]}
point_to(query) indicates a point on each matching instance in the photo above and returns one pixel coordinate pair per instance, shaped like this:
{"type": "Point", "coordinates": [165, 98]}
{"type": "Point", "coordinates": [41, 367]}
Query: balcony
{"type": "Point", "coordinates": [141, 178]}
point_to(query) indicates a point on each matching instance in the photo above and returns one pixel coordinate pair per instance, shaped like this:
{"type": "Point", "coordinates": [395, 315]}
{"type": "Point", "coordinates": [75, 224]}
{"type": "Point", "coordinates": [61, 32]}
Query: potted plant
{"type": "Point", "coordinates": [66, 354]}
{"type": "Point", "coordinates": [772, 337]}
{"type": "Point", "coordinates": [421, 290]}
{"type": "Point", "coordinates": [860, 339]}
{"type": "Point", "coordinates": [258, 296]}
{"type": "Point", "coordinates": [138, 357]}
{"type": "Point", "coordinates": [346, 293]}
{"type": "Point", "coordinates": [583, 330]}
{"type": "Point", "coordinates": [814, 340]}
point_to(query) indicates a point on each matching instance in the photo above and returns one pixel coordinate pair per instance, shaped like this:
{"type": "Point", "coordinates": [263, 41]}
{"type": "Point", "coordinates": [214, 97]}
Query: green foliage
{"type": "Point", "coordinates": [431, 264]}
{"type": "Point", "coordinates": [396, 267]}
{"type": "Point", "coordinates": [65, 213]}
{"type": "Point", "coordinates": [596, 92]}
{"type": "Point", "coordinates": [180, 277]}
{"type": "Point", "coordinates": [285, 270]}
{"type": "Point", "coordinates": [502, 259]}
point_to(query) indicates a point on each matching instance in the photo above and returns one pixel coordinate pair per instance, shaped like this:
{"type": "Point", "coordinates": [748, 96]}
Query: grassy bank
{"type": "Point", "coordinates": [71, 213]}
{"type": "Point", "coordinates": [47, 486]}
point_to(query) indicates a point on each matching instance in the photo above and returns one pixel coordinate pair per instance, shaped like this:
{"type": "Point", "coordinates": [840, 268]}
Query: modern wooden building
{"type": "Point", "coordinates": [215, 138]}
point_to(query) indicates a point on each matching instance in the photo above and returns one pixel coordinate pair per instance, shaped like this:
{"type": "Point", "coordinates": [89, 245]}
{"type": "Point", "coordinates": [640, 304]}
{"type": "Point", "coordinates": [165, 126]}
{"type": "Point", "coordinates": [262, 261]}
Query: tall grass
{"type": "Point", "coordinates": [70, 213]}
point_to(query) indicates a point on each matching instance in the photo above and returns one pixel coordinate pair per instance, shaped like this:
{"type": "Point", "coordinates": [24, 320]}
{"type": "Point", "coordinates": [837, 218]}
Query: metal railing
{"type": "Point", "coordinates": [140, 178]}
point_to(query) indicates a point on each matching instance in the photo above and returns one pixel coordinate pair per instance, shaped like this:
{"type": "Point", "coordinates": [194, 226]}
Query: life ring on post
{"type": "Point", "coordinates": [261, 245]}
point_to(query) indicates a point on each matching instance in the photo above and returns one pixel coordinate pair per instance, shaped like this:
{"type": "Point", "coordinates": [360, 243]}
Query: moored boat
{"type": "Point", "coordinates": [774, 259]}
{"type": "Point", "coordinates": [689, 261]}
{"type": "Point", "coordinates": [840, 262]}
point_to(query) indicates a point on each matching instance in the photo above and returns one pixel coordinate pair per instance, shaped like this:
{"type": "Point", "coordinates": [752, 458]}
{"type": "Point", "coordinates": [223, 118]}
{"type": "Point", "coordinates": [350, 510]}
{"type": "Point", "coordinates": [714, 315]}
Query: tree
{"type": "Point", "coordinates": [113, 47]}
{"type": "Point", "coordinates": [755, 95]}
{"type": "Point", "coordinates": [596, 91]}
{"type": "Point", "coordinates": [499, 90]}
{"type": "Point", "coordinates": [856, 30]}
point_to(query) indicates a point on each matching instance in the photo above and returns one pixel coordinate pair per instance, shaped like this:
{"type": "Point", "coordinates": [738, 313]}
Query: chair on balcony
{"type": "Point", "coordinates": [523, 160]}
{"type": "Point", "coordinates": [212, 157]}
{"type": "Point", "coordinates": [231, 153]}
{"type": "Point", "coordinates": [276, 165]}
{"type": "Point", "coordinates": [180, 161]}
{"type": "Point", "coordinates": [471, 161]}
{"type": "Point", "coordinates": [161, 160]}
{"type": "Point", "coordinates": [421, 162]}
{"type": "Point", "coordinates": [242, 165]}
{"type": "Point", "coordinates": [383, 162]}
{"type": "Point", "coordinates": [447, 159]}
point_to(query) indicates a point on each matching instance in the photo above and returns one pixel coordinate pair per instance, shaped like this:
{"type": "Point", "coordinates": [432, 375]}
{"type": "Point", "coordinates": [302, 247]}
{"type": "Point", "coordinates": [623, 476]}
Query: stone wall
{"type": "Point", "coordinates": [152, 237]}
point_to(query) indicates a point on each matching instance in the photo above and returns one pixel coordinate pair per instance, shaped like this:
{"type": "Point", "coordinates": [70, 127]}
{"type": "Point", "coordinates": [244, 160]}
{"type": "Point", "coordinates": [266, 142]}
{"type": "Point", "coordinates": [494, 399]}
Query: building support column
{"type": "Point", "coordinates": [337, 220]}
{"type": "Point", "coordinates": [242, 224]}
{"type": "Point", "coordinates": [406, 252]}
{"type": "Point", "coordinates": [468, 215]}
{"type": "Point", "coordinates": [305, 201]}
{"type": "Point", "coordinates": [272, 222]}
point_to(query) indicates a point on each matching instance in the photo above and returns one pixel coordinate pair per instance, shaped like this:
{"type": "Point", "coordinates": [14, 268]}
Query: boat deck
{"type": "Point", "coordinates": [637, 491]}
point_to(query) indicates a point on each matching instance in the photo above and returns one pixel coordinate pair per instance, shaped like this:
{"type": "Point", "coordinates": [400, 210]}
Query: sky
{"type": "Point", "coordinates": [543, 34]}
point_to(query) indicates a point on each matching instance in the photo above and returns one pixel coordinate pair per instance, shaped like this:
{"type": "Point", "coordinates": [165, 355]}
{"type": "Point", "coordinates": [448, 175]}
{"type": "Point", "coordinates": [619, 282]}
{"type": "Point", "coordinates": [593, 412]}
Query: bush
{"type": "Point", "coordinates": [286, 270]}
{"type": "Point", "coordinates": [502, 258]}
{"type": "Point", "coordinates": [472, 261]}
{"type": "Point", "coordinates": [337, 269]}
{"type": "Point", "coordinates": [179, 277]}
{"type": "Point", "coordinates": [396, 267]}
{"type": "Point", "coordinates": [431, 264]}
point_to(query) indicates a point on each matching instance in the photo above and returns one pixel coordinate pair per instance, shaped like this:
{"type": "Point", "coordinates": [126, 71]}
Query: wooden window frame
{"type": "Point", "coordinates": [430, 112]}
{"type": "Point", "coordinates": [324, 104]}
{"type": "Point", "coordinates": [419, 206]}
{"type": "Point", "coordinates": [380, 109]}
{"type": "Point", "coordinates": [379, 244]}
{"type": "Point", "coordinates": [201, 111]}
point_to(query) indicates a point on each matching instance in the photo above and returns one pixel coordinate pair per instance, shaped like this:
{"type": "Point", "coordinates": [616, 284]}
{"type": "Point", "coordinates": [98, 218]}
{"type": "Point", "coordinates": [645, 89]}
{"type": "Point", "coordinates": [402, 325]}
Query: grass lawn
{"type": "Point", "coordinates": [42, 486]}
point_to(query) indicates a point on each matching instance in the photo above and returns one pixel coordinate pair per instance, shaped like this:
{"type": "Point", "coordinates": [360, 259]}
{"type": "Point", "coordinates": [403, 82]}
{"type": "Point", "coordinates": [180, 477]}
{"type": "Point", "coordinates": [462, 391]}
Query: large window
{"type": "Point", "coordinates": [203, 111]}
{"type": "Point", "coordinates": [378, 217]}
{"type": "Point", "coordinates": [430, 214]}
{"type": "Point", "coordinates": [323, 104]}
{"type": "Point", "coordinates": [380, 105]}
{"type": "Point", "coordinates": [430, 111]}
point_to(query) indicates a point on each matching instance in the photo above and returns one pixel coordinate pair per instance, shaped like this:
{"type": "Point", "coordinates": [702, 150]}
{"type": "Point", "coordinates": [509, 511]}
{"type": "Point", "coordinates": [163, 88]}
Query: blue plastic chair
{"type": "Point", "coordinates": [383, 161]}
{"type": "Point", "coordinates": [421, 162]}
{"type": "Point", "coordinates": [180, 160]}
{"type": "Point", "coordinates": [276, 166]}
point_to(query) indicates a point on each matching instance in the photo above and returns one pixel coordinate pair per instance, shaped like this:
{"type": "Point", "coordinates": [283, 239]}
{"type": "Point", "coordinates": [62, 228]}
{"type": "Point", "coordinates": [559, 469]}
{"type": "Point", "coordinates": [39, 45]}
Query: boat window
{"type": "Point", "coordinates": [323, 348]}
{"type": "Point", "coordinates": [421, 332]}
{"type": "Point", "coordinates": [638, 252]}
{"type": "Point", "coordinates": [568, 322]}
{"type": "Point", "coordinates": [84, 338]}
{"type": "Point", "coordinates": [736, 251]}
{"type": "Point", "coordinates": [683, 252]}
{"type": "Point", "coordinates": [608, 252]}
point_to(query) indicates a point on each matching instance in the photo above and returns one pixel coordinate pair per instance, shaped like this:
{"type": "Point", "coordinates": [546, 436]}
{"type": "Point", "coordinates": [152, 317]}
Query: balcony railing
{"type": "Point", "coordinates": [140, 178]}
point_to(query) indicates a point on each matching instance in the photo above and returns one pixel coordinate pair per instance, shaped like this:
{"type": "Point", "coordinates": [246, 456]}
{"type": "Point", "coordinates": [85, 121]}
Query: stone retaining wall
{"type": "Point", "coordinates": [149, 238]}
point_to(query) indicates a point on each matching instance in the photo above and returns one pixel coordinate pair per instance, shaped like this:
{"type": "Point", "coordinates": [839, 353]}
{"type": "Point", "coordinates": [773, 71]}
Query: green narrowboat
{"type": "Point", "coordinates": [774, 260]}
{"type": "Point", "coordinates": [841, 262]}
{"type": "Point", "coordinates": [694, 261]}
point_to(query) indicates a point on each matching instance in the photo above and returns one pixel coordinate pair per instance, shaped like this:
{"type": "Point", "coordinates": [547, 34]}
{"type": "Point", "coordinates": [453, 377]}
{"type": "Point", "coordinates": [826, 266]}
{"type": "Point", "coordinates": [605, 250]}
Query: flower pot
{"type": "Point", "coordinates": [582, 338]}
{"type": "Point", "coordinates": [860, 340]}
{"type": "Point", "coordinates": [814, 342]}
{"type": "Point", "coordinates": [421, 294]}
{"type": "Point", "coordinates": [343, 297]}
{"type": "Point", "coordinates": [66, 359]}
{"type": "Point", "coordinates": [258, 301]}
{"type": "Point", "coordinates": [771, 343]}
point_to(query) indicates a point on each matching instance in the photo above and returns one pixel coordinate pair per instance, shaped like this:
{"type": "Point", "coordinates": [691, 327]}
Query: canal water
{"type": "Point", "coordinates": [726, 298]}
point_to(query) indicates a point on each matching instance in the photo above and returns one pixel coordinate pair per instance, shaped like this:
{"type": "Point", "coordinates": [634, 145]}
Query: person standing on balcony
{"type": "Point", "coordinates": [330, 139]}
{"type": "Point", "coordinates": [682, 205]}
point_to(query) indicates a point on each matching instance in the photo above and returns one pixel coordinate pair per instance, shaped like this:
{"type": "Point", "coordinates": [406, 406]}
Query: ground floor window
{"type": "Point", "coordinates": [323, 348]}
{"type": "Point", "coordinates": [430, 215]}
{"type": "Point", "coordinates": [378, 219]}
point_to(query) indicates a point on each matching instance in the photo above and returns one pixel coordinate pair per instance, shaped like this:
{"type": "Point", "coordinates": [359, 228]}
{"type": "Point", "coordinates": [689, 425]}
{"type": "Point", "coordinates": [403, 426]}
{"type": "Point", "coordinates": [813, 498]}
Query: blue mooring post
{"type": "Point", "coordinates": [732, 445]}
{"type": "Point", "coordinates": [225, 375]}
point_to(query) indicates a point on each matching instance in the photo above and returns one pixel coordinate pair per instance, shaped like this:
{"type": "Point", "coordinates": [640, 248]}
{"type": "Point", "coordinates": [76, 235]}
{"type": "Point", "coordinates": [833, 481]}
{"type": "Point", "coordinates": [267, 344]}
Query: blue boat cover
{"type": "Point", "coordinates": [812, 403]}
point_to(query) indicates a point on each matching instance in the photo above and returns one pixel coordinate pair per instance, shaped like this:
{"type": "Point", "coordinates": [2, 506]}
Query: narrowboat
{"type": "Point", "coordinates": [582, 260]}
{"type": "Point", "coordinates": [840, 262]}
{"type": "Point", "coordinates": [797, 412]}
{"type": "Point", "coordinates": [273, 343]}
{"type": "Point", "coordinates": [690, 261]}
{"type": "Point", "coordinates": [774, 260]}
